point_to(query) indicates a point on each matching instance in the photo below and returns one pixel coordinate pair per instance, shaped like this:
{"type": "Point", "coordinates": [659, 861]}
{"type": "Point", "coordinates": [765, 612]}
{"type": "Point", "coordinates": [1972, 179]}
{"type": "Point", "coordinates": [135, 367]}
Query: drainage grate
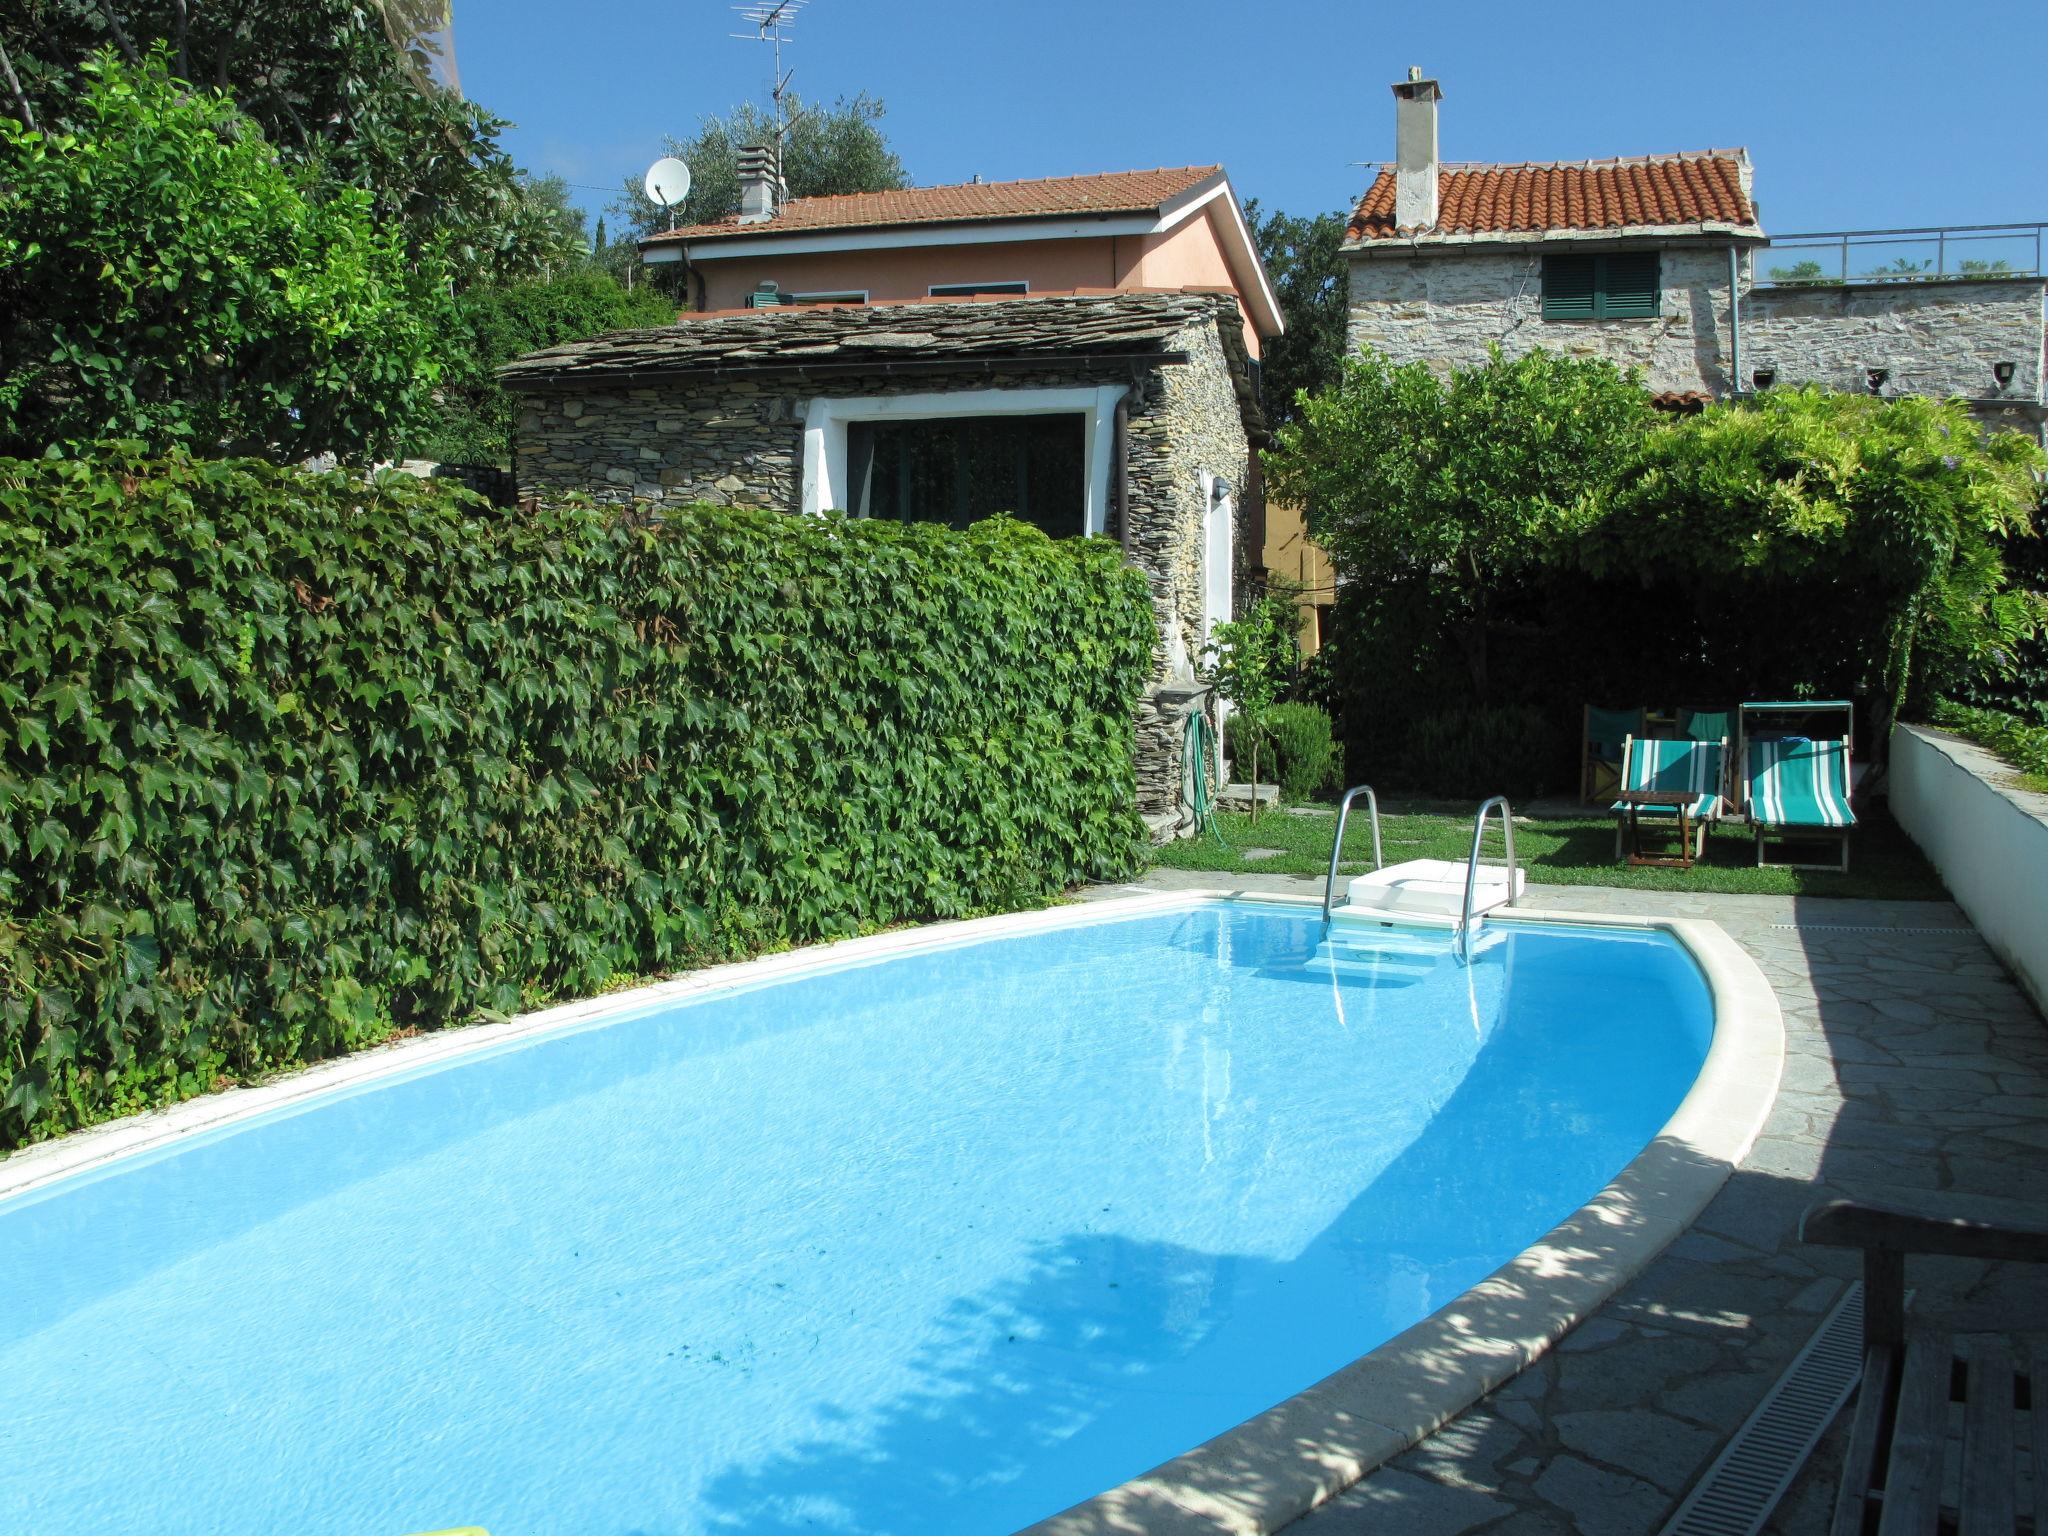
{"type": "Point", "coordinates": [1870, 928]}
{"type": "Point", "coordinates": [1743, 1486]}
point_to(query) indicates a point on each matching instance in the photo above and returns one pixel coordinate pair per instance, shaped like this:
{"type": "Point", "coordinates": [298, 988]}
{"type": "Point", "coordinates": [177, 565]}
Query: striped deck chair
{"type": "Point", "coordinates": [1711, 724]}
{"type": "Point", "coordinates": [1798, 789]}
{"type": "Point", "coordinates": [1691, 770]}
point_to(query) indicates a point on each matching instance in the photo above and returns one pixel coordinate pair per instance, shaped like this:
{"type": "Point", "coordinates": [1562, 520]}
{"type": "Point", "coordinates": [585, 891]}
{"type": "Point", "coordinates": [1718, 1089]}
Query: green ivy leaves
{"type": "Point", "coordinates": [292, 761]}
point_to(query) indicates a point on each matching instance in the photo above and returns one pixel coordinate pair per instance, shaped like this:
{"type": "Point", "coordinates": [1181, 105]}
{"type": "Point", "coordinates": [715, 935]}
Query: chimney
{"type": "Point", "coordinates": [1415, 161]}
{"type": "Point", "coordinates": [760, 184]}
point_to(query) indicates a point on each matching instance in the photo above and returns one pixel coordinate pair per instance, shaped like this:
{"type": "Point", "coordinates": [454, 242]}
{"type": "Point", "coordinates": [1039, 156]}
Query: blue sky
{"type": "Point", "coordinates": [1858, 113]}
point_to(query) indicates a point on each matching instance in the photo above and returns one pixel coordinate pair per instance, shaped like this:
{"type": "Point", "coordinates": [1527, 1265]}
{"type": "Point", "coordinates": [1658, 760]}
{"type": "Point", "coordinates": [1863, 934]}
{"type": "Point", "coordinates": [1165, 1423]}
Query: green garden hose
{"type": "Point", "coordinates": [1197, 785]}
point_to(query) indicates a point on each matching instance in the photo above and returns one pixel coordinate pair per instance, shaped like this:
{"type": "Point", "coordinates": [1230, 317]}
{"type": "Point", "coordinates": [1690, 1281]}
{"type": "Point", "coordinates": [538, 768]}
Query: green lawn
{"type": "Point", "coordinates": [1557, 850]}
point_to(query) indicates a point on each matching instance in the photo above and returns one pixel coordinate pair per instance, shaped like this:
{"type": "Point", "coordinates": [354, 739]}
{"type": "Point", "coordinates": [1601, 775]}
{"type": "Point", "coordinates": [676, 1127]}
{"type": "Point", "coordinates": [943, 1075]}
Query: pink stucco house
{"type": "Point", "coordinates": [1127, 230]}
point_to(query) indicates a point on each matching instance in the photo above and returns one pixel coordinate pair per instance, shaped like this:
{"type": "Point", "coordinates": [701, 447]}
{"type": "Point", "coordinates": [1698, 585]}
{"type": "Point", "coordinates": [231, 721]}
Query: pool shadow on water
{"type": "Point", "coordinates": [1108, 1354]}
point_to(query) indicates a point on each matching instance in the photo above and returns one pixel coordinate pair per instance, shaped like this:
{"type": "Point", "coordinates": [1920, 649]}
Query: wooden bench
{"type": "Point", "coordinates": [1893, 1475]}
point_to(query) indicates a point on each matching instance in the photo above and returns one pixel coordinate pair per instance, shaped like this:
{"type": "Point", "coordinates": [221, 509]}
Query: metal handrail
{"type": "Point", "coordinates": [1372, 804]}
{"type": "Point", "coordinates": [1936, 242]}
{"type": "Point", "coordinates": [1507, 828]}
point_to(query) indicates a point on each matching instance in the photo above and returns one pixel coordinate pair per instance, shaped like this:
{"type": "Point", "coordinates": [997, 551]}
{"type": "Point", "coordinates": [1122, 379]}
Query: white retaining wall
{"type": "Point", "coordinates": [1988, 838]}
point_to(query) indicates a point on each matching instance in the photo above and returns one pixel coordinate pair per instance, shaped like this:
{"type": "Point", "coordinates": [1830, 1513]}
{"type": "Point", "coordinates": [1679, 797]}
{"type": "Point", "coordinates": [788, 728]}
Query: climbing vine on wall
{"type": "Point", "coordinates": [290, 762]}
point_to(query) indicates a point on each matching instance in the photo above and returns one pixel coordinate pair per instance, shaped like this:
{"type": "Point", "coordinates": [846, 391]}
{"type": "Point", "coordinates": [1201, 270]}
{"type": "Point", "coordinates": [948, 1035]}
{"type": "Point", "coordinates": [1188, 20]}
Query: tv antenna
{"type": "Point", "coordinates": [771, 21]}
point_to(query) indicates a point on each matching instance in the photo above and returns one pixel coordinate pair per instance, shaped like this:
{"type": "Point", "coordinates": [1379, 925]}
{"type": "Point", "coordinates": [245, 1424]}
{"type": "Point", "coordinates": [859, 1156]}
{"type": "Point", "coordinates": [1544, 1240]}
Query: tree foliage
{"type": "Point", "coordinates": [1305, 262]}
{"type": "Point", "coordinates": [340, 88]}
{"type": "Point", "coordinates": [1844, 524]}
{"type": "Point", "coordinates": [473, 424]}
{"type": "Point", "coordinates": [1461, 486]}
{"type": "Point", "coordinates": [1529, 533]}
{"type": "Point", "coordinates": [291, 761]}
{"type": "Point", "coordinates": [827, 151]}
{"type": "Point", "coordinates": [163, 277]}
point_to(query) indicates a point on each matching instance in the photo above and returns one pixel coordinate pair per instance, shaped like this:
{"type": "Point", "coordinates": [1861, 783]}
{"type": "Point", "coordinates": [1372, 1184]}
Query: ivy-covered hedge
{"type": "Point", "coordinates": [291, 762]}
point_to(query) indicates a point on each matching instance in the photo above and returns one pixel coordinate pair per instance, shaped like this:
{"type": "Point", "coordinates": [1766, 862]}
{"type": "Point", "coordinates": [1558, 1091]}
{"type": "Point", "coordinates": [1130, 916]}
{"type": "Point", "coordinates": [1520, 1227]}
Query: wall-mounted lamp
{"type": "Point", "coordinates": [1219, 489]}
{"type": "Point", "coordinates": [1764, 378]}
{"type": "Point", "coordinates": [1876, 378]}
{"type": "Point", "coordinates": [2003, 372]}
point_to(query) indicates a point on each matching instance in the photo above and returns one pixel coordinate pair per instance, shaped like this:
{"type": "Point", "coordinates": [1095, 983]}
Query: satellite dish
{"type": "Point", "coordinates": [668, 181]}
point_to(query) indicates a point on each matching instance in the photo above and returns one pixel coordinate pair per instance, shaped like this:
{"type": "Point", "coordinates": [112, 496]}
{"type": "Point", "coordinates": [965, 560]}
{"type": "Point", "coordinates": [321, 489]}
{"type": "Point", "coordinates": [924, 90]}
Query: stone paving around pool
{"type": "Point", "coordinates": [1913, 1063]}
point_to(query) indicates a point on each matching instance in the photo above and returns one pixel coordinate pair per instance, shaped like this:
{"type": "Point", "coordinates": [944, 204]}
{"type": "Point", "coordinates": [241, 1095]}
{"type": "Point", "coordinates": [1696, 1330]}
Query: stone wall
{"type": "Point", "coordinates": [735, 444]}
{"type": "Point", "coordinates": [741, 444]}
{"type": "Point", "coordinates": [1447, 307]}
{"type": "Point", "coordinates": [1184, 424]}
{"type": "Point", "coordinates": [1935, 338]}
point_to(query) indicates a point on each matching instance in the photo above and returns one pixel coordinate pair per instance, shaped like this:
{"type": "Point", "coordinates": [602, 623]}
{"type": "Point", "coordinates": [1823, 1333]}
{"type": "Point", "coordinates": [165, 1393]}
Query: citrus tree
{"type": "Point", "coordinates": [1462, 485]}
{"type": "Point", "coordinates": [1251, 662]}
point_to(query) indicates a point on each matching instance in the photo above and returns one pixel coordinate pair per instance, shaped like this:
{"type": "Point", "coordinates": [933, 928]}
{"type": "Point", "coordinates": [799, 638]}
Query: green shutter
{"type": "Point", "coordinates": [1569, 289]}
{"type": "Point", "coordinates": [1628, 285]}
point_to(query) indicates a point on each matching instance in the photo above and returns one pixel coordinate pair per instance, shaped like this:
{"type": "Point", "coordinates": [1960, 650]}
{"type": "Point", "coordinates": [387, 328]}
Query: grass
{"type": "Point", "coordinates": [1557, 850]}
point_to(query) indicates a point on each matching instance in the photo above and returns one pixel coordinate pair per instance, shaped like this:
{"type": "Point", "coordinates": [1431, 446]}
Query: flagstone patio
{"type": "Point", "coordinates": [1913, 1063]}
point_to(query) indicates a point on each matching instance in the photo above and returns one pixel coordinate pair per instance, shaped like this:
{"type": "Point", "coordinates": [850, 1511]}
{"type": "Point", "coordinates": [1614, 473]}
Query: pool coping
{"type": "Point", "coordinates": [1279, 1464]}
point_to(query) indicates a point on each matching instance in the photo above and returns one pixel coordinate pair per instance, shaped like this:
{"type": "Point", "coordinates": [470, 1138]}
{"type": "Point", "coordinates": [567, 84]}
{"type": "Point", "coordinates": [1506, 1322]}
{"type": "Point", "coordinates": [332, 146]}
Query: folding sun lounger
{"type": "Point", "coordinates": [1686, 778]}
{"type": "Point", "coordinates": [1798, 790]}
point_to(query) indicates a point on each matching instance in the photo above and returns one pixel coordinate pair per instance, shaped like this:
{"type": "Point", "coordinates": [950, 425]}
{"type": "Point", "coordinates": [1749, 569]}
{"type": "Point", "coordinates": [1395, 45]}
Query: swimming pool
{"type": "Point", "coordinates": [943, 1240]}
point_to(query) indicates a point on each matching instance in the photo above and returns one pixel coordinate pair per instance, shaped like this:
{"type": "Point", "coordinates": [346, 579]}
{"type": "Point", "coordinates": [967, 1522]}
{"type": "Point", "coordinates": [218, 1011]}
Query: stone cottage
{"type": "Point", "coordinates": [1127, 414]}
{"type": "Point", "coordinates": [1652, 262]}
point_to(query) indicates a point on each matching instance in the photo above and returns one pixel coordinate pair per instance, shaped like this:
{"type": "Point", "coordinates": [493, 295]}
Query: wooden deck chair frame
{"type": "Point", "coordinates": [1700, 824]}
{"type": "Point", "coordinates": [1796, 834]}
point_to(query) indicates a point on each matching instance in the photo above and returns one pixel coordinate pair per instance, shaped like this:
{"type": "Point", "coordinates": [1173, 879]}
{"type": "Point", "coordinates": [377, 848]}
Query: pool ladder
{"type": "Point", "coordinates": [1372, 805]}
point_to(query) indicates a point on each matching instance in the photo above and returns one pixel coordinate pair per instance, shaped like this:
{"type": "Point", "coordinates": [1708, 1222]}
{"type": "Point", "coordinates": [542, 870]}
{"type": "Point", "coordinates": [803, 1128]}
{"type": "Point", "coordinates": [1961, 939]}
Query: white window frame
{"type": "Point", "coordinates": [826, 420]}
{"type": "Point", "coordinates": [995, 285]}
{"type": "Point", "coordinates": [828, 296]}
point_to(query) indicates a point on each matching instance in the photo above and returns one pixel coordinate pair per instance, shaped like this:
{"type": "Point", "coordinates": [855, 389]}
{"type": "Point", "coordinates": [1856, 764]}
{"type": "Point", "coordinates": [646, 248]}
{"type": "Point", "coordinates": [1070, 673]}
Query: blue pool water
{"type": "Point", "coordinates": [940, 1243]}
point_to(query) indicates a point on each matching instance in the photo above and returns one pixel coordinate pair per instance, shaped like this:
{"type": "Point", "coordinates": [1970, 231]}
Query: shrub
{"type": "Point", "coordinates": [291, 761]}
{"type": "Point", "coordinates": [2019, 742]}
{"type": "Point", "coordinates": [1479, 752]}
{"type": "Point", "coordinates": [1304, 748]}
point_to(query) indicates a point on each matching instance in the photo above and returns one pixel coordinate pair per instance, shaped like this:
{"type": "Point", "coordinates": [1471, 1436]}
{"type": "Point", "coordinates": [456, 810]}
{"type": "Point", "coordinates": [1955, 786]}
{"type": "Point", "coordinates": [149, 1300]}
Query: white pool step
{"type": "Point", "coordinates": [1386, 954]}
{"type": "Point", "coordinates": [1429, 888]}
{"type": "Point", "coordinates": [1379, 954]}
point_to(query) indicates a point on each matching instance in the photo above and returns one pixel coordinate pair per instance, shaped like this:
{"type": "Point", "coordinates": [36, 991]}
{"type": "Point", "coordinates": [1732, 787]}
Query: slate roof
{"type": "Point", "coordinates": [1045, 197]}
{"type": "Point", "coordinates": [850, 338]}
{"type": "Point", "coordinates": [1589, 196]}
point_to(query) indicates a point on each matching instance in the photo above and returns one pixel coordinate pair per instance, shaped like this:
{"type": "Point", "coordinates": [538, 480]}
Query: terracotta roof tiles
{"type": "Point", "coordinates": [1648, 191]}
{"type": "Point", "coordinates": [1046, 197]}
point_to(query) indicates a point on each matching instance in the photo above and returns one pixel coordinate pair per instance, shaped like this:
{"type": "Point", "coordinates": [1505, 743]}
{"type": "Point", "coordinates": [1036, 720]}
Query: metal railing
{"type": "Point", "coordinates": [1830, 258]}
{"type": "Point", "coordinates": [1372, 804]}
{"type": "Point", "coordinates": [1507, 831]}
